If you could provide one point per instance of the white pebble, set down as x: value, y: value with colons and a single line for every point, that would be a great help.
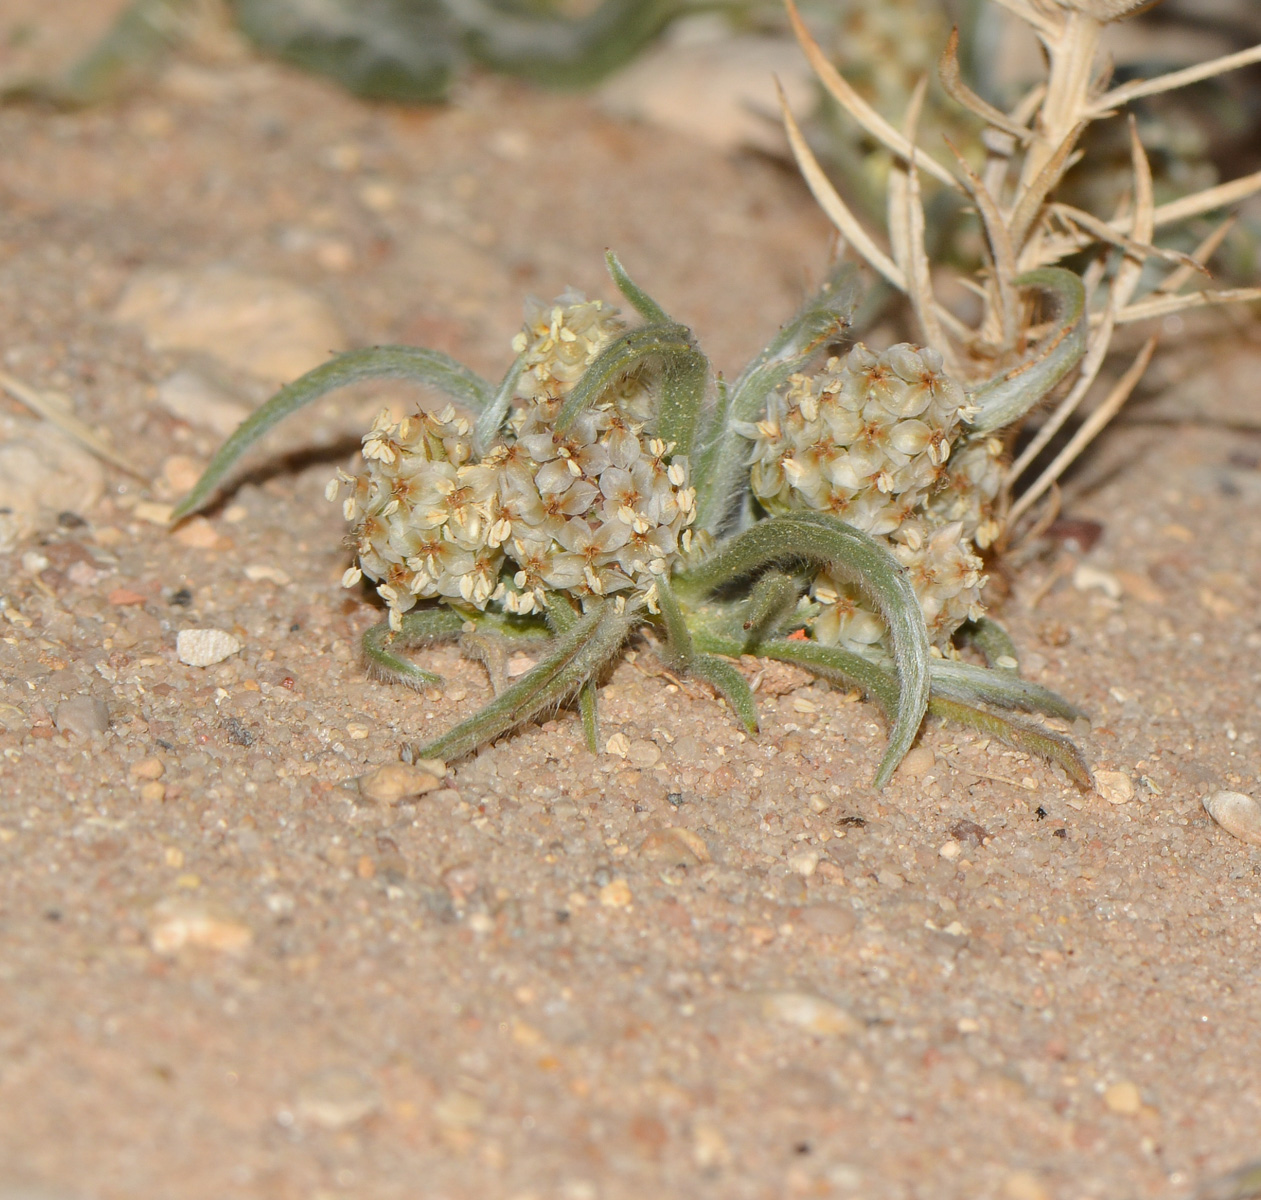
x: 1088, y: 577
x: 1237, y: 814
x: 1115, y: 787
x: 205, y: 647
x: 805, y: 863
x: 811, y: 1013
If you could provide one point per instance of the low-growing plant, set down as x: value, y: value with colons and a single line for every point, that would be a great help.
x: 828, y: 514
x: 604, y: 485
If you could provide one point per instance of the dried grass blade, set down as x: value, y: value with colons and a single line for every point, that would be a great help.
x: 858, y: 108
x: 920, y: 272
x: 1220, y: 196
x: 1122, y: 95
x: 1103, y: 232
x: 1201, y: 254
x: 1086, y: 434
x: 837, y: 210
x: 68, y: 423
x: 1029, y: 206
x: 1090, y: 366
x: 1002, y: 253
x: 1162, y: 306
x: 957, y: 90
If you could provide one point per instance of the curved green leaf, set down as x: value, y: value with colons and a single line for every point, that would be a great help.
x: 818, y: 538
x: 683, y: 366
x: 426, y: 625
x: 429, y: 367
x: 639, y: 300
x: 719, y: 470
x: 577, y: 656
x: 1004, y: 689
x: 1012, y: 393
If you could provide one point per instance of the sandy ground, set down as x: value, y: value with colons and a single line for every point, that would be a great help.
x: 223, y: 973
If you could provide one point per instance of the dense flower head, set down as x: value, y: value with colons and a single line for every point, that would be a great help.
x: 597, y: 510
x: 879, y: 441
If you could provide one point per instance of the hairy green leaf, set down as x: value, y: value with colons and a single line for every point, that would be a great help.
x: 1012, y: 393
x: 577, y: 656
x: 818, y: 538
x: 429, y: 367
x: 380, y: 644
x: 682, y: 364
x: 719, y: 471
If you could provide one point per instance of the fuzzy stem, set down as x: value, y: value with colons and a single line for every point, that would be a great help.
x: 579, y: 653
x: 429, y: 624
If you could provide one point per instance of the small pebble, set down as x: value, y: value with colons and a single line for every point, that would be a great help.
x: 1237, y: 814
x: 257, y: 572
x: 811, y: 1013
x: 176, y: 924
x: 643, y: 754
x: 675, y: 847
x: 1115, y: 787
x: 336, y: 1098
x: 1124, y: 1098
x: 950, y: 850
x: 709, y: 1147
x: 122, y: 597
x: 193, y: 398
x: 618, y: 745
x: 1088, y: 577
x: 82, y: 715
x: 917, y: 763
x: 147, y: 768
x: 264, y: 326
x: 205, y: 647
x: 616, y: 894
x: 396, y: 782
x: 804, y: 863
x: 1024, y: 1185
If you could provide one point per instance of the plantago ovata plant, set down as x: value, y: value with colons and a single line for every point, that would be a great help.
x: 828, y: 515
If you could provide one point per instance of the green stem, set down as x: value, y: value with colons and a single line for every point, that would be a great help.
x: 427, y: 625
x: 579, y: 653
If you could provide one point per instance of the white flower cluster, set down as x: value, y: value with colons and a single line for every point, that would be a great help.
x: 869, y: 439
x: 595, y: 511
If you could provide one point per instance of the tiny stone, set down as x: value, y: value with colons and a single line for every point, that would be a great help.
x: 917, y: 763
x: 519, y: 664
x: 147, y: 768
x: 804, y: 863
x: 205, y: 647
x: 643, y: 753
x: 1124, y: 1098
x: 811, y: 1013
x: 1087, y: 577
x: 193, y: 398
x: 336, y: 1098
x: 395, y: 782
x: 950, y: 850
x: 122, y: 597
x: 618, y: 744
x: 258, y: 572
x: 177, y: 924
x: 460, y: 881
x: 153, y: 792
x: 675, y: 847
x: 82, y: 715
x: 1237, y: 814
x: 1114, y: 786
x: 616, y: 894
x: 1024, y: 1185
x: 196, y: 532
